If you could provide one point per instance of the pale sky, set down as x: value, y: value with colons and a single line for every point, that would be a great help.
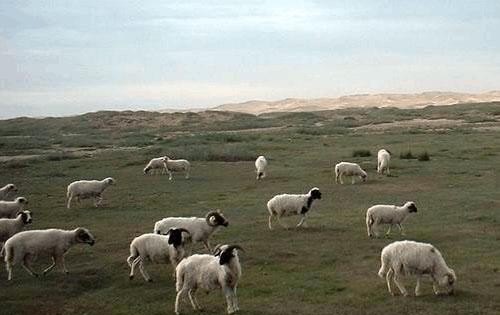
x: 69, y: 57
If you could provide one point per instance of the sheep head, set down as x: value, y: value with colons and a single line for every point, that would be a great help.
x: 26, y: 216
x: 82, y: 235
x: 410, y: 205
x: 216, y: 218
x: 11, y: 187
x: 315, y: 193
x: 22, y: 200
x: 175, y: 236
x: 226, y: 252
x: 146, y: 169
x: 447, y: 281
x: 110, y: 181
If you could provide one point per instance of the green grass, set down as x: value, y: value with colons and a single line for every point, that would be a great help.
x: 328, y: 268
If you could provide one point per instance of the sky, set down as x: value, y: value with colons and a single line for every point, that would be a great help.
x: 69, y: 57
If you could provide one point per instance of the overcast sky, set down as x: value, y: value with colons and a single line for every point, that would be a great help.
x: 68, y: 57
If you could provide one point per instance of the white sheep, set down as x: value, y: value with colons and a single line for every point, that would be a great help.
x: 200, y: 228
x: 156, y: 164
x: 9, y: 209
x: 84, y: 189
x: 209, y: 272
x: 291, y: 204
x: 349, y: 169
x: 7, y: 190
x: 388, y: 214
x: 177, y: 166
x: 413, y: 258
x: 158, y: 249
x: 26, y: 246
x: 9, y: 227
x: 260, y: 166
x: 383, y: 158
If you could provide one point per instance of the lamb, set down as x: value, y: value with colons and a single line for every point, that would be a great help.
x: 260, y: 166
x: 25, y: 247
x: 84, y: 189
x: 291, y: 204
x: 413, y: 258
x: 9, y: 227
x: 388, y: 214
x: 383, y: 158
x: 9, y: 209
x: 156, y: 164
x: 200, y: 228
x: 177, y: 166
x: 349, y: 169
x: 7, y: 190
x: 209, y: 272
x: 159, y: 249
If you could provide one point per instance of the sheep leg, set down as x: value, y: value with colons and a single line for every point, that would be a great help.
x: 399, y: 284
x: 401, y: 229
x: 8, y: 267
x: 228, y: 292
x: 26, y: 263
x: 59, y: 260
x: 206, y: 243
x: 69, y: 202
x: 235, y: 301
x: 133, y: 265
x: 187, y: 174
x: 144, y: 273
x: 302, y: 221
x: 97, y: 200
x: 269, y: 223
x: 194, y: 301
x: 49, y: 268
x: 389, y: 230
x: 170, y: 177
x: 388, y: 278
x: 341, y: 179
x: 418, y: 292
x: 280, y: 223
x: 180, y: 294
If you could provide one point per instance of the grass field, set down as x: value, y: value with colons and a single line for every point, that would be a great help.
x: 328, y: 268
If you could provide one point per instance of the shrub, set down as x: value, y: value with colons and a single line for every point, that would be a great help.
x: 424, y: 156
x: 407, y: 155
x: 361, y: 153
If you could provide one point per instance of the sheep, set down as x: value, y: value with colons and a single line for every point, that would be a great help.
x: 209, y: 272
x: 155, y: 164
x: 7, y: 190
x: 349, y: 169
x: 9, y: 227
x: 177, y: 166
x: 9, y: 209
x: 260, y: 166
x: 84, y: 189
x: 291, y: 204
x: 383, y: 158
x: 26, y: 246
x: 388, y: 214
x: 200, y: 228
x: 159, y: 249
x: 414, y: 258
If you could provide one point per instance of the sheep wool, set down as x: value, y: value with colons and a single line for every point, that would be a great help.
x: 84, y: 189
x: 349, y: 169
x: 260, y: 167
x: 9, y: 209
x: 388, y: 214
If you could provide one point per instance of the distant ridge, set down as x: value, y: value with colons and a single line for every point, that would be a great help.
x: 417, y: 100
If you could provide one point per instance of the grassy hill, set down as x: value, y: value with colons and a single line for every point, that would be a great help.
x: 328, y: 268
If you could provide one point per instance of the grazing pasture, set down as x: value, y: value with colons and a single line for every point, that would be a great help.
x: 330, y: 267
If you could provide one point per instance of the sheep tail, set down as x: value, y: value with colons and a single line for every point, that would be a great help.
x: 369, y: 220
x: 384, y: 268
x: 134, y: 253
x: 8, y: 253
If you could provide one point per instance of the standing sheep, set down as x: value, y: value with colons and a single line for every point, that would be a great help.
x: 25, y: 247
x: 209, y: 272
x: 177, y: 166
x: 201, y: 229
x: 9, y: 227
x: 388, y: 214
x: 383, y: 158
x: 159, y: 249
x: 9, y: 209
x: 7, y: 190
x: 413, y: 258
x: 349, y: 169
x: 291, y: 204
x: 84, y: 189
x: 260, y: 166
x: 156, y: 164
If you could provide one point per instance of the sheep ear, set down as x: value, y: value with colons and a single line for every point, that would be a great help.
x: 216, y: 250
x: 451, y: 278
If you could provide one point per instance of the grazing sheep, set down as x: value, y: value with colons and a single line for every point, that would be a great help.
x: 177, y: 166
x: 260, y: 166
x: 412, y: 258
x: 383, y: 158
x: 84, y: 189
x: 159, y: 249
x: 209, y: 272
x: 156, y: 164
x: 7, y: 190
x: 288, y: 205
x: 9, y: 209
x: 349, y: 169
x: 25, y: 247
x: 388, y: 214
x: 200, y: 228
x: 9, y: 227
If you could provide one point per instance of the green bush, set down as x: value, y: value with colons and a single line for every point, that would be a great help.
x: 407, y: 155
x: 424, y: 156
